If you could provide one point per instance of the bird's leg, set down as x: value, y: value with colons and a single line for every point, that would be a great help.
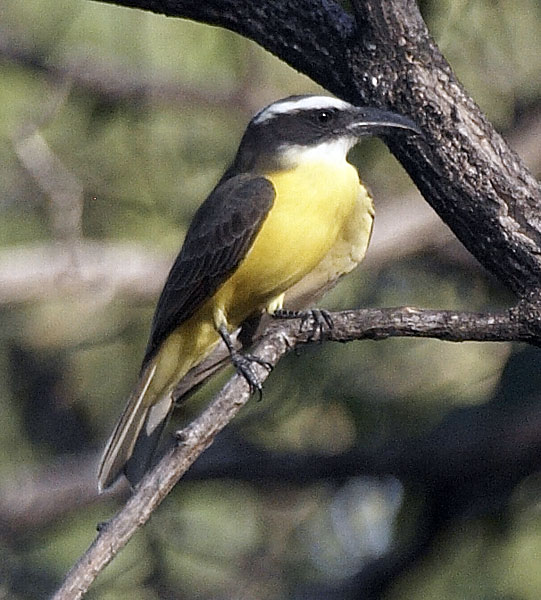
x: 243, y: 363
x: 321, y: 319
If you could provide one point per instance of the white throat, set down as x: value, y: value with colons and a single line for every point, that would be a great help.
x: 334, y: 151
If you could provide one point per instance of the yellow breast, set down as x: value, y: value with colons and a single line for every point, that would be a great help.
x: 317, y: 230
x: 313, y: 205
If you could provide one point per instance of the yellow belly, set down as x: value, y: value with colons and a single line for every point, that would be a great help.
x: 312, y: 206
x: 318, y: 229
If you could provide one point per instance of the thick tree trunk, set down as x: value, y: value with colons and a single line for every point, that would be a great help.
x: 383, y: 55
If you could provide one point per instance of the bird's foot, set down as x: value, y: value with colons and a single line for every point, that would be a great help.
x: 244, y: 365
x: 319, y: 319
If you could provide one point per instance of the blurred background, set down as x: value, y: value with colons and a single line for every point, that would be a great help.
x: 404, y: 469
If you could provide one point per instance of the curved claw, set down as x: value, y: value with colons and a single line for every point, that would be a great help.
x: 243, y: 364
x: 321, y: 320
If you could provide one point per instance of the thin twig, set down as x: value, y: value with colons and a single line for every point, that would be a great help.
x: 63, y: 189
x: 281, y: 337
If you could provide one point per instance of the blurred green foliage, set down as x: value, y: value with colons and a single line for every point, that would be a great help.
x: 144, y: 161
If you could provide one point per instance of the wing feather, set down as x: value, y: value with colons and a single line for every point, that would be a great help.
x: 220, y: 235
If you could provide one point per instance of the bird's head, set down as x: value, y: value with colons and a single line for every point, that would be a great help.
x: 300, y: 126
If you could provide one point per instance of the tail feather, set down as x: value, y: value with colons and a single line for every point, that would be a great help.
x: 121, y: 444
x: 148, y: 439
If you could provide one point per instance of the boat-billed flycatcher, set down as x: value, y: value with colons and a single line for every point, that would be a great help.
x: 288, y: 218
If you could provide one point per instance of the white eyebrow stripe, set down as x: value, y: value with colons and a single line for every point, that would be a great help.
x: 305, y: 103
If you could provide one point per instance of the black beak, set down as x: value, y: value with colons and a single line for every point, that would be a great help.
x: 373, y: 121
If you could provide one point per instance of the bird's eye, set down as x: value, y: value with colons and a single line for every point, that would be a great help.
x: 324, y: 116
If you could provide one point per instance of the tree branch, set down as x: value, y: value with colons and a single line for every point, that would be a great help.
x: 404, y: 226
x: 280, y: 338
x: 41, y: 271
x: 64, y: 191
x: 117, y: 82
x: 385, y: 57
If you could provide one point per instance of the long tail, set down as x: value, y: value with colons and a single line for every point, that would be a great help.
x: 136, y: 435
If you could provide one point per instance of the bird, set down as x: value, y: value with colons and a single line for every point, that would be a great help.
x: 287, y: 219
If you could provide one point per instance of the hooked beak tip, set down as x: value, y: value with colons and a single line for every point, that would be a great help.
x: 373, y: 121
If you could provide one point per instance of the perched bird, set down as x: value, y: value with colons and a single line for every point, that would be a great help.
x: 286, y: 220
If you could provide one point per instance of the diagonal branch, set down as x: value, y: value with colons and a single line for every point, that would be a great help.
x: 118, y: 82
x: 280, y: 338
x: 57, y: 182
x: 404, y: 226
x: 383, y: 55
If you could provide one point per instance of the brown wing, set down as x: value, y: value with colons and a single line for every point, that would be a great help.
x: 221, y: 233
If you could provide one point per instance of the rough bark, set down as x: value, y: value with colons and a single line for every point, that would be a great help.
x: 374, y: 324
x: 383, y: 55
